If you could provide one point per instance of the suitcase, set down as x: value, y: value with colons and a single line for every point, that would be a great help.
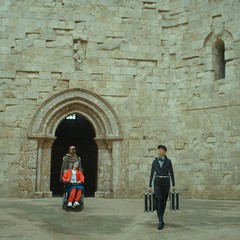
x: 149, y: 202
x: 174, y: 201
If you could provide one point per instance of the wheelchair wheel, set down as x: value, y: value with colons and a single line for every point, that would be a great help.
x: 81, y: 207
x: 81, y: 204
x: 64, y: 203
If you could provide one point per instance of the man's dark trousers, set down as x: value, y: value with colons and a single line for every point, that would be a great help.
x: 161, y: 191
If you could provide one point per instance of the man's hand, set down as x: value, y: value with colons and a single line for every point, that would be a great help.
x: 174, y: 189
x: 150, y: 189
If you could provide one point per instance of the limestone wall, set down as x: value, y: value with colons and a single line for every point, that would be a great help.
x: 152, y: 61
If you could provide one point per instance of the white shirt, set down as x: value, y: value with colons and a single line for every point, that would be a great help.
x: 74, y: 176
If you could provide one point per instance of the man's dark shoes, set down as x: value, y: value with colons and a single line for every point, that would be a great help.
x: 160, y: 226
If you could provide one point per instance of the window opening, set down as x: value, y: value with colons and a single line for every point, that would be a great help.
x: 72, y: 117
x: 219, y: 61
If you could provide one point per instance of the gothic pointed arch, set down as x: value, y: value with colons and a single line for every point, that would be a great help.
x: 225, y: 36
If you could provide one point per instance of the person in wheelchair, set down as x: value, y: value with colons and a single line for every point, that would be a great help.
x: 69, y: 159
x: 74, y: 179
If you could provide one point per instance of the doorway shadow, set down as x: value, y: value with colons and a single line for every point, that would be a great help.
x: 75, y: 130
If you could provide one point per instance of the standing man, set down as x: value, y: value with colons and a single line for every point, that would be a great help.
x: 68, y: 161
x: 161, y: 171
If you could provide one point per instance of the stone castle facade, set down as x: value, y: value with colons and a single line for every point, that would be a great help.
x: 142, y: 73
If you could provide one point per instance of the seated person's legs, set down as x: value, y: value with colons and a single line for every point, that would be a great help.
x: 78, y: 197
x: 72, y: 196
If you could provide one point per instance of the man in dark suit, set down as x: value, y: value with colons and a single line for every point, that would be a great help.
x: 161, y: 172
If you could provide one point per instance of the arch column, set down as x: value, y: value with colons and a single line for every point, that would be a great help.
x: 104, y: 169
x: 108, y: 166
x: 43, y: 166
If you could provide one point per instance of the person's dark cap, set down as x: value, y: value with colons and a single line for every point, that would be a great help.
x: 163, y: 147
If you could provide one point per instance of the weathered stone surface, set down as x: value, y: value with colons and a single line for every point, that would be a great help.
x: 149, y: 66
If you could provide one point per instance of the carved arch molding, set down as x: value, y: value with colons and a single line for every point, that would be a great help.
x: 108, y: 137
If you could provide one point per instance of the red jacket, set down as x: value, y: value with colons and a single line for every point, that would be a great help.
x: 67, y: 176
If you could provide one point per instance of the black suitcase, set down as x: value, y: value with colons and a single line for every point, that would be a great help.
x: 149, y: 202
x: 174, y: 201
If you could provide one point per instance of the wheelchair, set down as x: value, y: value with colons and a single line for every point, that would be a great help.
x: 67, y: 190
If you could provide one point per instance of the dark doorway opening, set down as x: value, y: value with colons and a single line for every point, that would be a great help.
x: 75, y: 130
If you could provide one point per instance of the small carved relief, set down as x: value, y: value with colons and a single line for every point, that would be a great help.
x: 79, y: 55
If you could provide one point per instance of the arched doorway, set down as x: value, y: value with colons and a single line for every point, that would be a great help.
x: 108, y: 138
x: 75, y: 130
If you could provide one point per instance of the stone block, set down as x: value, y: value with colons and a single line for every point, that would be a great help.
x: 39, y: 43
x: 229, y: 55
x: 159, y: 86
x: 47, y: 194
x: 38, y: 195
x: 2, y: 106
x: 31, y: 95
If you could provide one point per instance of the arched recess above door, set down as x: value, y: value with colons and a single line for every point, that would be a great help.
x: 83, y: 102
